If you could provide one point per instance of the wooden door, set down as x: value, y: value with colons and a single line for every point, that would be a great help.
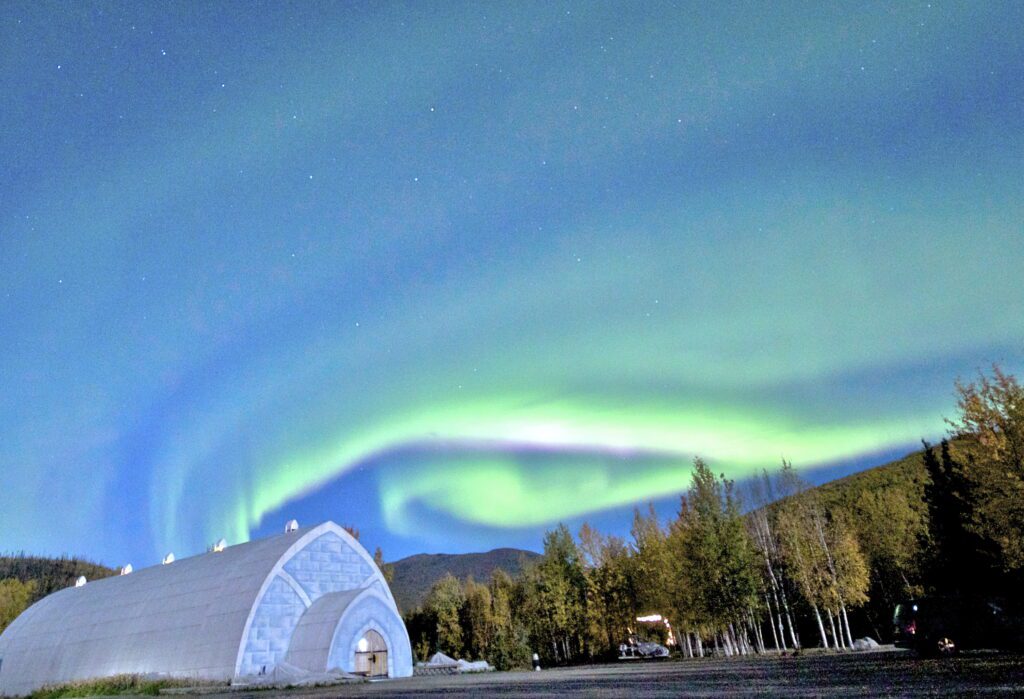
x: 379, y: 664
x: 372, y: 655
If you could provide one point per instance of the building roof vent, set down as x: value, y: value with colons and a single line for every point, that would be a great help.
x: 169, y: 558
x: 81, y: 581
x: 127, y: 569
x: 220, y: 545
x: 293, y: 525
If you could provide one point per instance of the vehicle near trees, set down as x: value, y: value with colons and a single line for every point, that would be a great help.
x: 944, y: 624
x: 635, y: 650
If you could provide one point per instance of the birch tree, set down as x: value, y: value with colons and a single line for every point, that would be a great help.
x: 825, y: 559
x: 716, y: 559
x: 766, y: 542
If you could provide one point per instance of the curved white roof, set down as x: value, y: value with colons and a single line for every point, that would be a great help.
x: 188, y: 618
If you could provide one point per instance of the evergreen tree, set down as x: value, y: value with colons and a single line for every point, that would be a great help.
x: 386, y: 569
x: 954, y: 564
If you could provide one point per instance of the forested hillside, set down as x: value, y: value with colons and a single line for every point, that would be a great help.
x: 885, y: 509
x: 50, y: 574
x: 415, y: 575
x: 906, y: 475
x: 25, y: 579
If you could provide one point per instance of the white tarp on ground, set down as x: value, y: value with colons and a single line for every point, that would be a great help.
x: 866, y: 643
x: 440, y: 660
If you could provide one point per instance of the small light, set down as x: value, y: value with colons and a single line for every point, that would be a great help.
x: 168, y: 559
x: 363, y: 645
x: 220, y: 546
x: 81, y: 581
x: 126, y: 569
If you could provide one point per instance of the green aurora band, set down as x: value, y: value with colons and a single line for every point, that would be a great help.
x: 501, y: 491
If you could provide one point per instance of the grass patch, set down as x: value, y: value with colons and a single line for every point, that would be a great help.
x: 112, y: 686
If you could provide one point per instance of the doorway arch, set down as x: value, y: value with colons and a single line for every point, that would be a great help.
x: 371, y: 655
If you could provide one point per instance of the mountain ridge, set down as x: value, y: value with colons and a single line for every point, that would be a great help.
x: 414, y: 575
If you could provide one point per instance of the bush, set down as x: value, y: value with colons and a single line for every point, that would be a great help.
x: 111, y: 686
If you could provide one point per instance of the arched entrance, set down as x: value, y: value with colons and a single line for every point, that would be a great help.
x: 371, y: 655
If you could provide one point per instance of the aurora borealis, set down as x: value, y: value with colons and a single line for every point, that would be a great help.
x: 452, y: 273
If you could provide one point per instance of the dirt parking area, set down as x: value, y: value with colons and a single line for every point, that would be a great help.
x: 873, y: 674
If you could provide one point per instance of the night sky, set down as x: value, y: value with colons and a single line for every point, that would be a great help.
x: 455, y: 273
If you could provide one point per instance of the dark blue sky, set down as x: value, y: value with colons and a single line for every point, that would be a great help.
x: 452, y: 273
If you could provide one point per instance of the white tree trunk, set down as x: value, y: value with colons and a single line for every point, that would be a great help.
x: 730, y: 634
x: 759, y: 633
x: 793, y: 638
x: 832, y: 623
x: 821, y: 626
x: 845, y: 620
x: 780, y: 632
x: 771, y: 623
x: 745, y: 637
x: 789, y: 621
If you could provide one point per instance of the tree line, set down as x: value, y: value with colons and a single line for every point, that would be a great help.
x: 712, y: 579
x: 773, y: 566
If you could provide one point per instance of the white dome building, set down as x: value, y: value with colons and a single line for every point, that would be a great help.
x: 311, y: 600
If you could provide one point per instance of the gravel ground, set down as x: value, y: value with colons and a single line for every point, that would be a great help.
x: 880, y: 673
